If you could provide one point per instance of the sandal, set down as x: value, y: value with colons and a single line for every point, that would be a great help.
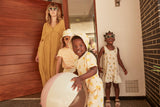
x: 117, y: 103
x: 108, y: 104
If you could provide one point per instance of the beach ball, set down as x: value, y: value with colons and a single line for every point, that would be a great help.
x: 58, y: 92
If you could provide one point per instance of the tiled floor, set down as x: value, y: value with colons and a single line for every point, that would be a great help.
x: 34, y: 101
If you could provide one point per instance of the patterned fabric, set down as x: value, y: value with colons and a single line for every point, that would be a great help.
x: 94, y: 84
x: 69, y: 59
x: 48, y: 49
x: 85, y: 39
x: 110, y: 66
x: 68, y: 32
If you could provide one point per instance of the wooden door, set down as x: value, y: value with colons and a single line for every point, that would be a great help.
x: 21, y: 23
x: 66, y: 14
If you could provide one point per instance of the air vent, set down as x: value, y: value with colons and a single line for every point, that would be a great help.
x: 132, y: 86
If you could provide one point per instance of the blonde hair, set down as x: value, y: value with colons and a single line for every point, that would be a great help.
x: 48, y: 16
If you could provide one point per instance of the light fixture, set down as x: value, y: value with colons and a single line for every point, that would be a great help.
x: 117, y: 3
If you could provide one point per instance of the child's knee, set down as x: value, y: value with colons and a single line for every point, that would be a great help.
x: 116, y: 85
x: 108, y: 85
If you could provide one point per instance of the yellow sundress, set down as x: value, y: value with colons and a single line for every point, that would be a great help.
x: 94, y: 84
x: 48, y: 48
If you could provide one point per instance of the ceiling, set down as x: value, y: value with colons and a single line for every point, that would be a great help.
x: 78, y: 7
x: 79, y: 10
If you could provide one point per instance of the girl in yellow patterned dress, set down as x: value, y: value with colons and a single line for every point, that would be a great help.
x: 87, y: 71
x: 110, y: 66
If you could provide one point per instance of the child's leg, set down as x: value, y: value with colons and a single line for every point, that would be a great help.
x: 117, y: 101
x: 116, y: 89
x: 108, y: 86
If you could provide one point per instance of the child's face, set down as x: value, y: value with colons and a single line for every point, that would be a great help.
x: 66, y: 39
x: 79, y: 47
x: 110, y: 39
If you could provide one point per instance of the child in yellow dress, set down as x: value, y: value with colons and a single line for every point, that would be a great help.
x: 110, y: 66
x: 87, y: 71
x: 65, y: 55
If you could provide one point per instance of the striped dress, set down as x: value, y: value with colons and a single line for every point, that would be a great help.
x: 69, y: 59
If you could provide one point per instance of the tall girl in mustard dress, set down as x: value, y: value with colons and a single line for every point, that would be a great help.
x: 50, y: 42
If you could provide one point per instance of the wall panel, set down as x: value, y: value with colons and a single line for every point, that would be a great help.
x: 21, y: 23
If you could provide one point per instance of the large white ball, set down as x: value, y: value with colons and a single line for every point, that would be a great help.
x: 57, y: 92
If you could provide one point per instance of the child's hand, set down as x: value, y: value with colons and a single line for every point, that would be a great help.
x: 125, y: 72
x: 77, y: 83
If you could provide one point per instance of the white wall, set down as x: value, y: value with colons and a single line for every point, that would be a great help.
x: 124, y: 21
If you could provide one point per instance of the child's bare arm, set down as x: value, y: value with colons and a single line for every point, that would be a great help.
x: 120, y: 62
x: 37, y: 58
x: 99, y: 57
x: 58, y: 64
x: 75, y: 72
x: 78, y: 80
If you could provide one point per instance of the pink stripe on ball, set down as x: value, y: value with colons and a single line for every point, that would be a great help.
x: 46, y: 89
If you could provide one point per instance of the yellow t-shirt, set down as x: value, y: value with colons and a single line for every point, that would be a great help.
x: 69, y: 58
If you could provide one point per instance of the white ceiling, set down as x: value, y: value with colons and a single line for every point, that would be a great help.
x: 79, y: 7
